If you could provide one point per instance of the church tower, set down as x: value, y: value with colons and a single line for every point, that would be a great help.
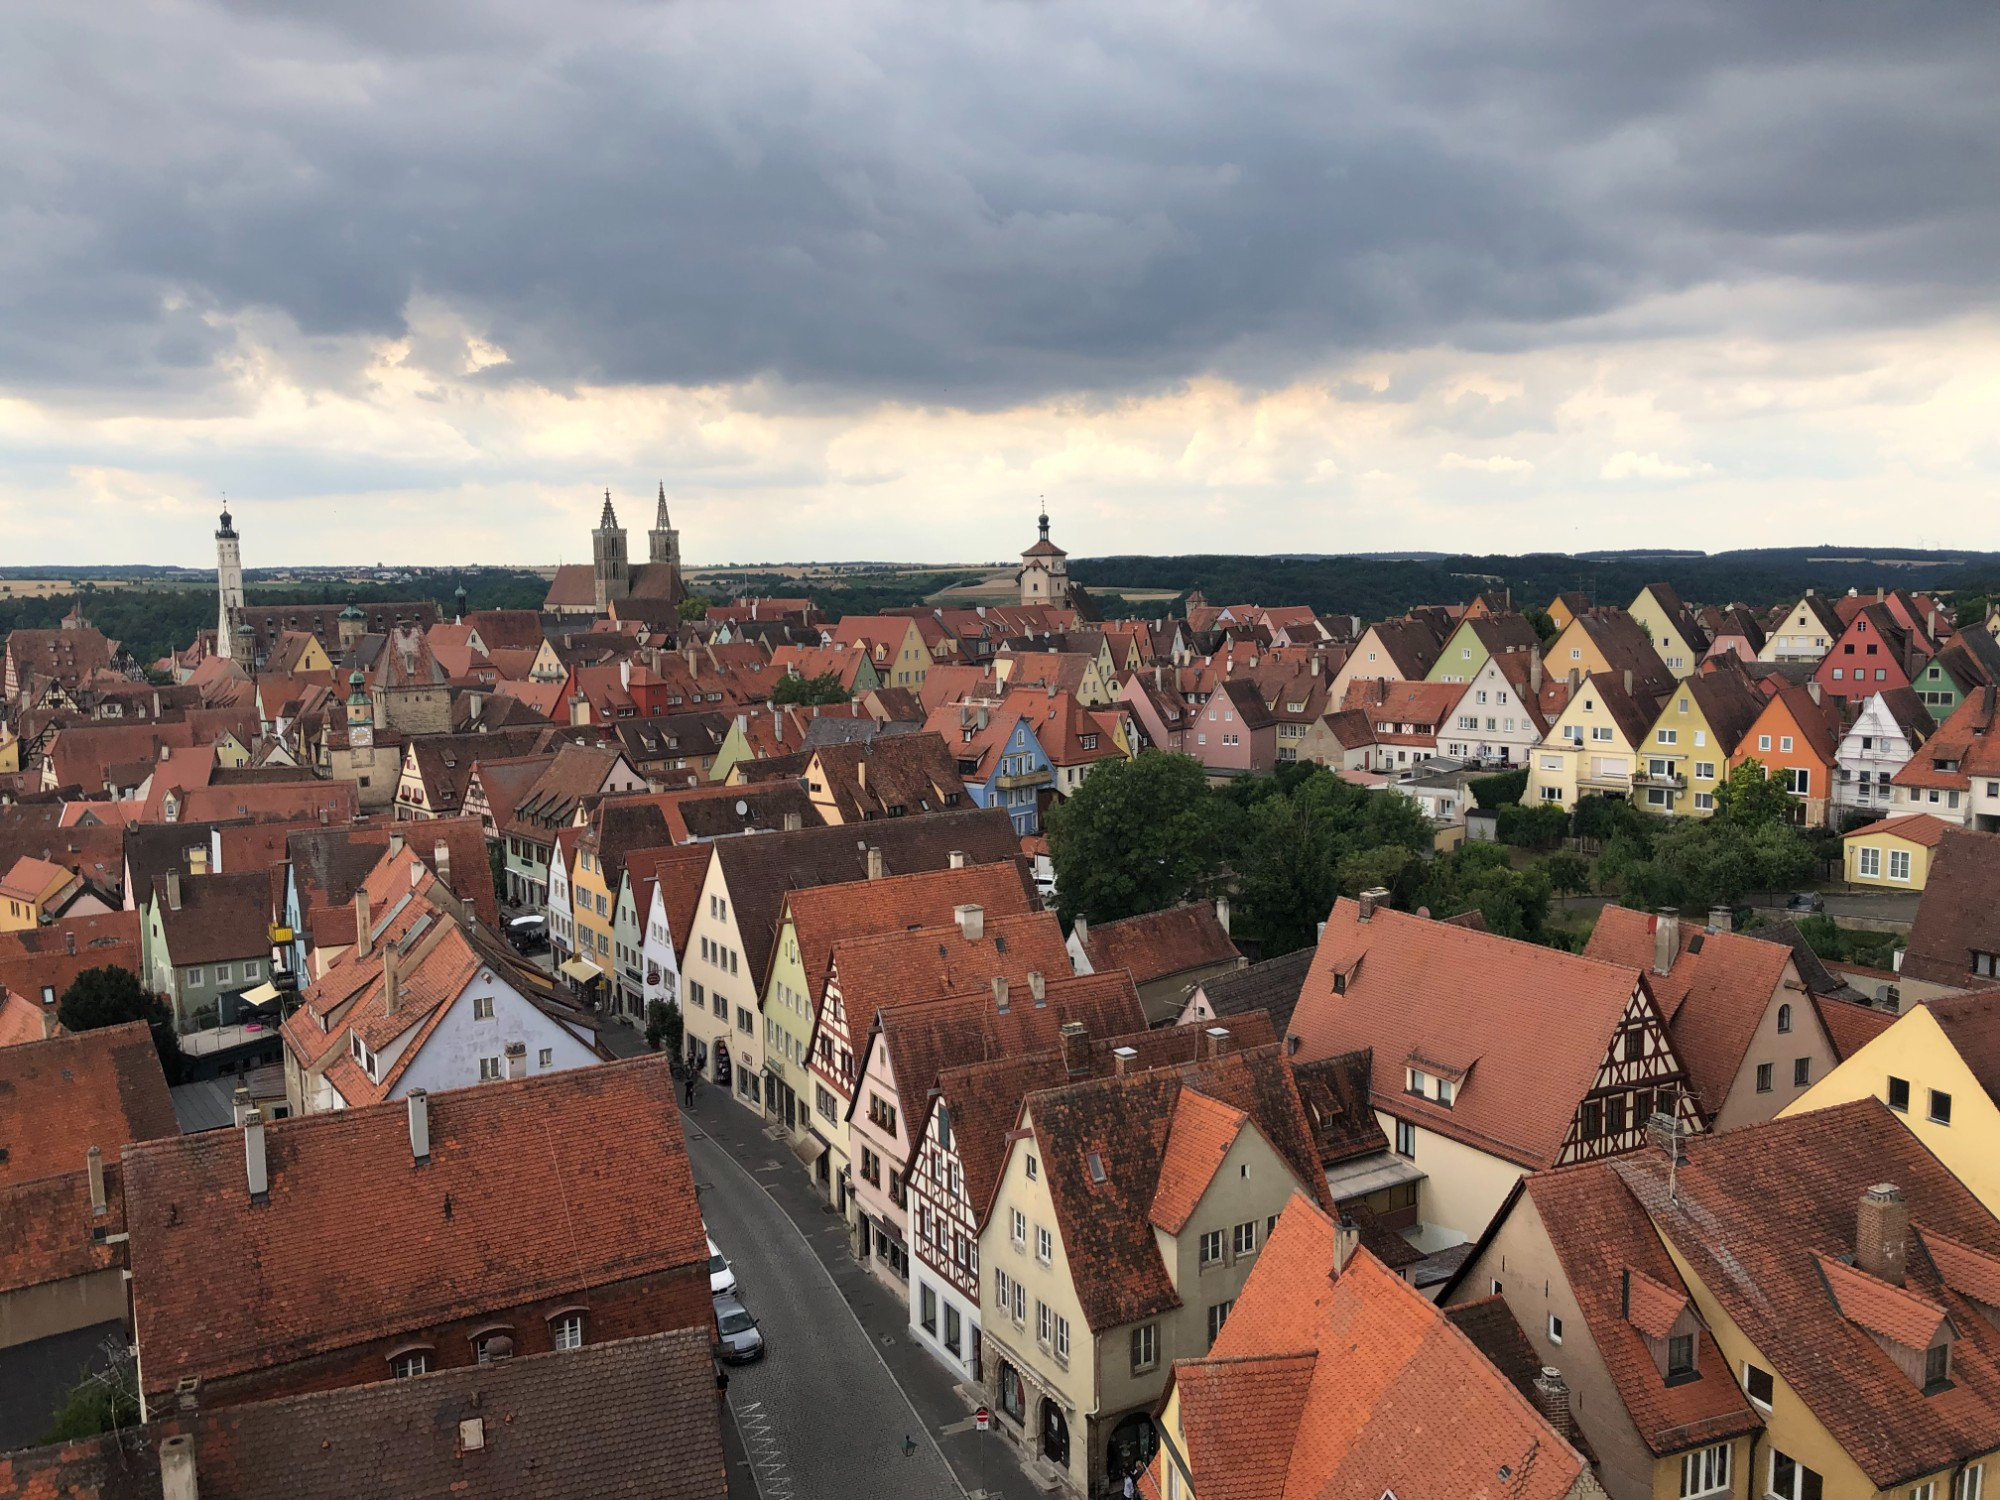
x: 666, y: 542
x: 228, y: 586
x: 1044, y: 575
x: 611, y: 573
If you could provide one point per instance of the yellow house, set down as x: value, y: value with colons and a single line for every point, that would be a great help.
x: 29, y: 889
x: 592, y: 902
x: 1931, y: 1066
x: 1894, y: 854
x: 898, y: 653
x: 1670, y: 625
x: 1594, y: 747
x: 10, y: 751
x: 1687, y: 749
x: 1112, y: 1249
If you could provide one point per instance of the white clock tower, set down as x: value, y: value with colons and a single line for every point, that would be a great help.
x: 228, y: 585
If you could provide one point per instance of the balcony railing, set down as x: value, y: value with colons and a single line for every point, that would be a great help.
x: 1038, y: 777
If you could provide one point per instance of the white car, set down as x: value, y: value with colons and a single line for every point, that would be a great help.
x: 721, y: 1280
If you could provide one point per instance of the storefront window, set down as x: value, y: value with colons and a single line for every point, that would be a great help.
x: 1013, y: 1395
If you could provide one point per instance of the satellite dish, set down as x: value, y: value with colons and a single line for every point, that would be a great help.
x: 742, y: 809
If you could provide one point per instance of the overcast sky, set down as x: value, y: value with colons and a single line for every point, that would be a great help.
x: 867, y: 278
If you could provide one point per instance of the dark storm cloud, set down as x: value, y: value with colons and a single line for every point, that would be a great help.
x: 967, y: 203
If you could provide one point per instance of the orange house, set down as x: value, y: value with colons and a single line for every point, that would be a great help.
x: 1795, y: 738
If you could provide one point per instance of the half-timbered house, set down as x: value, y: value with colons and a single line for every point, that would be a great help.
x: 1491, y: 1057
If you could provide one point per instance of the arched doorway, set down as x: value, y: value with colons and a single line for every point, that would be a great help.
x: 1055, y: 1434
x: 1133, y: 1443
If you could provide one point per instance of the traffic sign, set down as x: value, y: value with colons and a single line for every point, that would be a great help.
x: 982, y: 1419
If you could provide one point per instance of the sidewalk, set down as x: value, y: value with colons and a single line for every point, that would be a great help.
x: 984, y: 1463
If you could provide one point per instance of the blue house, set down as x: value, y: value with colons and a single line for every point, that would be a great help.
x: 999, y: 759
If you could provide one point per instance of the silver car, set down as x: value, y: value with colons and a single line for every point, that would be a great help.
x: 738, y: 1336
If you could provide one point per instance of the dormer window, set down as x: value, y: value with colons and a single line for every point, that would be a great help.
x: 1937, y: 1368
x: 1680, y: 1357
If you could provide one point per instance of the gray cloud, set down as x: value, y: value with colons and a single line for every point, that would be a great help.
x: 973, y: 201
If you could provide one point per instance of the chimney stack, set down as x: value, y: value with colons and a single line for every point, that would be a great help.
x: 1535, y: 673
x: 441, y: 861
x: 1075, y: 1048
x: 971, y: 919
x: 1080, y: 930
x: 1346, y: 1240
x: 420, y: 1126
x: 1122, y: 1059
x: 1721, y: 919
x: 957, y: 858
x: 1628, y: 682
x: 1552, y: 1397
x: 1038, y: 988
x: 240, y: 1106
x: 1575, y: 679
x: 255, y: 1169
x: 392, y: 979
x: 363, y: 946
x: 1666, y: 939
x: 517, y: 1060
x: 1222, y: 912
x: 69, y: 942
x: 1000, y: 993
x: 1370, y: 899
x: 173, y: 890
x: 793, y: 822
x: 177, y: 1477
x: 1218, y: 1040
x: 876, y: 868
x: 95, y: 1159
x: 395, y: 842
x: 1882, y: 1233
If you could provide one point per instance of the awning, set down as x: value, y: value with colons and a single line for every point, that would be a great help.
x: 582, y: 970
x: 808, y: 1148
x: 1370, y: 1174
x: 264, y: 994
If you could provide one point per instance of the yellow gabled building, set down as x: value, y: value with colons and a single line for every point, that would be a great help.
x: 1594, y: 746
x: 1677, y: 636
x: 1687, y: 749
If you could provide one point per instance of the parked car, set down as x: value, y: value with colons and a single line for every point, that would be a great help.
x: 738, y: 1337
x: 721, y: 1278
x: 1806, y: 901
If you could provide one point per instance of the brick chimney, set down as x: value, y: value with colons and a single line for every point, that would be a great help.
x: 177, y: 1476
x: 392, y: 979
x: 255, y: 1170
x: 1666, y: 939
x: 1882, y: 1232
x: 1122, y: 1059
x: 420, y: 1126
x: 971, y: 919
x: 1216, y: 1041
x: 1370, y: 899
x: 1075, y: 1048
x: 1552, y: 1399
x: 1000, y: 993
x: 517, y: 1060
x: 173, y: 890
x: 876, y: 868
x: 94, y: 1159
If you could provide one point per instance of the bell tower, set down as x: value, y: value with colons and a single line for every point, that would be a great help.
x: 610, y: 571
x: 1044, y: 575
x: 666, y: 542
x: 228, y: 585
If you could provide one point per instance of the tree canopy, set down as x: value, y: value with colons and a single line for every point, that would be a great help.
x: 824, y: 688
x: 111, y: 996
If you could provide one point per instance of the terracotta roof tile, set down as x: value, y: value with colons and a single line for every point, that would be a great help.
x: 1200, y: 1136
x: 101, y: 1088
x: 48, y: 1231
x: 220, y: 917
x: 1272, y: 986
x: 1851, y: 1027
x: 1653, y: 1307
x: 821, y: 915
x: 1958, y: 914
x: 52, y: 956
x: 556, y: 1183
x: 1324, y: 1385
x: 1157, y: 945
x: 1335, y: 1091
x: 895, y: 968
x: 1894, y: 1312
x: 1531, y: 1026
x: 1758, y: 1213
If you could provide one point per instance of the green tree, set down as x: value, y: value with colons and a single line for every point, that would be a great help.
x: 694, y: 607
x: 111, y: 996
x: 1137, y: 836
x: 1500, y: 790
x: 1568, y: 874
x: 824, y: 688
x: 496, y: 862
x: 663, y: 1027
x: 1546, y: 629
x: 1750, y: 796
x: 1287, y: 872
x: 102, y: 1400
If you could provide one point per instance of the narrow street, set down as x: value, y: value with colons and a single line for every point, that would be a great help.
x: 841, y: 1403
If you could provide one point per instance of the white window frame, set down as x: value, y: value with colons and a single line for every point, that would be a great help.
x: 1706, y: 1471
x: 1044, y: 1245
x: 566, y: 1332
x: 1868, y: 862
x: 1899, y: 866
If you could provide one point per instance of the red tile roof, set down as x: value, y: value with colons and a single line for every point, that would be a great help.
x: 100, y: 1088
x: 47, y: 1229
x: 1528, y: 1025
x: 553, y: 1184
x: 1715, y: 996
x: 1851, y: 1027
x: 1918, y: 828
x: 1200, y: 1136
x: 924, y: 963
x: 1157, y: 945
x: 1758, y: 1213
x: 1958, y: 914
x: 1355, y: 1386
x: 51, y: 957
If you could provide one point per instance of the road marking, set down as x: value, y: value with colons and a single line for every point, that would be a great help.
x: 921, y: 1425
x: 767, y: 1459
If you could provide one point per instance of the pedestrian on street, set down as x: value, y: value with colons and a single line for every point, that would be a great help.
x: 1131, y: 1484
x: 688, y: 1088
